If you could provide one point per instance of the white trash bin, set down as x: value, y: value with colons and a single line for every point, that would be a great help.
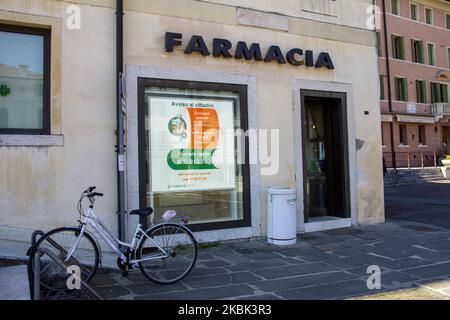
x: 282, y: 215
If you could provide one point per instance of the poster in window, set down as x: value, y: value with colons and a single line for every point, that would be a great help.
x: 191, y: 144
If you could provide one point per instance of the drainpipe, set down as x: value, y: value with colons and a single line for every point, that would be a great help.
x: 388, y: 75
x: 120, y: 144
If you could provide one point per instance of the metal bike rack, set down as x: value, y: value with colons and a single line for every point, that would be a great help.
x: 34, y: 275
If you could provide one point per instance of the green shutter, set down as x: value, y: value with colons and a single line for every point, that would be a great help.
x: 431, y: 54
x: 444, y: 89
x: 448, y: 20
x: 433, y: 94
x: 418, y: 98
x: 405, y: 89
x: 393, y: 46
x: 381, y: 87
x: 402, y: 48
x: 424, y: 91
x: 420, y: 53
x: 397, y: 89
x: 448, y: 55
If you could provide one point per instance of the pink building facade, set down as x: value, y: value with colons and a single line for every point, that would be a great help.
x: 414, y: 67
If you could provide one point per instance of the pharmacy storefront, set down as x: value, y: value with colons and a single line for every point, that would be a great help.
x: 221, y: 114
x: 221, y: 100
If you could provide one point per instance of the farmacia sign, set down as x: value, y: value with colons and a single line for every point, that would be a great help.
x: 223, y: 48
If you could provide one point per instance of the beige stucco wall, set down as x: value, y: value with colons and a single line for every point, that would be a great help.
x: 39, y: 186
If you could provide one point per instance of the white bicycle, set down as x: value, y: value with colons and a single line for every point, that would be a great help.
x: 165, y: 253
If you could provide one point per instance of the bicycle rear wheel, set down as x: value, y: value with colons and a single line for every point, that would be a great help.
x: 59, y: 241
x: 177, y: 259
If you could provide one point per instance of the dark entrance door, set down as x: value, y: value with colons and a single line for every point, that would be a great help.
x: 325, y: 156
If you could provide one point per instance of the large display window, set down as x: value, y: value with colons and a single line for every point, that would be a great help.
x: 191, y: 159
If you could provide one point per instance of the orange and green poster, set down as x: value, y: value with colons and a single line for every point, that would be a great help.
x: 191, y: 144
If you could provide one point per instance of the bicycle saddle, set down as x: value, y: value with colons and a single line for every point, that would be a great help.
x: 142, y: 212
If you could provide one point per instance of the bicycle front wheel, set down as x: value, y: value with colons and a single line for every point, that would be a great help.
x: 167, y: 253
x: 59, y: 242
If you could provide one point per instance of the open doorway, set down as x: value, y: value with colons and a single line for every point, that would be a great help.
x: 325, y: 156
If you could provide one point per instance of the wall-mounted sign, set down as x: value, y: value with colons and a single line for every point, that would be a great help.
x: 192, y: 144
x: 412, y: 108
x: 4, y: 90
x: 223, y: 47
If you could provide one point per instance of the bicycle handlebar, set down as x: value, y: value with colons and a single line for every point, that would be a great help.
x: 90, y: 189
x: 96, y: 194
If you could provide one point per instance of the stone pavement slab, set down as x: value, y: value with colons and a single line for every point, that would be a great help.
x: 308, y: 270
x: 14, y: 283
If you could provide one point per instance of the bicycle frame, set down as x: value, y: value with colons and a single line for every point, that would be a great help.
x: 91, y: 220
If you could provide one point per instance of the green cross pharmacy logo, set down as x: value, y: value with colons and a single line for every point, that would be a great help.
x: 4, y: 90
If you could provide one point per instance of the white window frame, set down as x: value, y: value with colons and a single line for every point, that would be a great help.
x: 425, y: 15
x: 417, y: 12
x: 426, y: 93
x: 392, y: 47
x: 395, y: 88
x: 412, y: 50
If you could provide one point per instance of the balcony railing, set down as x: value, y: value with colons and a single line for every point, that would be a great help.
x: 440, y: 109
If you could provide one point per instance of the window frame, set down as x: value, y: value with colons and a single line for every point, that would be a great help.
x: 419, y: 89
x: 422, y: 135
x: 404, y: 135
x: 46, y: 94
x: 421, y: 57
x: 242, y: 90
x: 401, y: 47
x: 425, y: 16
x: 442, y: 93
x: 397, y: 9
x: 404, y: 89
x: 411, y: 4
x: 447, y: 20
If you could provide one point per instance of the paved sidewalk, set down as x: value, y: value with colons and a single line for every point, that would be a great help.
x: 14, y: 283
x: 325, y: 265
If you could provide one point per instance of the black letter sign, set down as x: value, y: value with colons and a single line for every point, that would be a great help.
x: 291, y: 57
x: 274, y: 53
x: 249, y: 54
x: 198, y: 45
x: 221, y: 47
x: 324, y: 60
x: 309, y: 58
x: 172, y: 39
